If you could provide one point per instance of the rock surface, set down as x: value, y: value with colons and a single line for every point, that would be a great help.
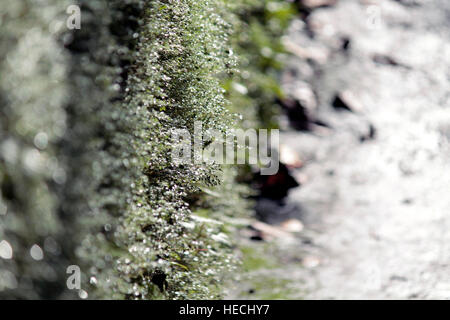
x: 375, y: 206
x: 381, y: 206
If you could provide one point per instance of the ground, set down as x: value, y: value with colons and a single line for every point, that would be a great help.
x: 375, y: 182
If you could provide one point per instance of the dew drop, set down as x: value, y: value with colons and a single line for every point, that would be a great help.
x: 82, y: 294
x: 50, y: 245
x: 6, y: 251
x: 32, y: 160
x: 36, y: 252
x: 9, y: 150
x: 41, y: 140
x: 59, y: 176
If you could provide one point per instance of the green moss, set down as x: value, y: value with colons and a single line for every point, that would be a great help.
x: 271, y: 288
x: 254, y: 258
x: 259, y: 28
x: 85, y: 136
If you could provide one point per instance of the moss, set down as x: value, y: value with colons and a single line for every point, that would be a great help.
x: 257, y: 41
x: 265, y: 287
x: 174, y: 83
x: 253, y: 258
x: 85, y: 132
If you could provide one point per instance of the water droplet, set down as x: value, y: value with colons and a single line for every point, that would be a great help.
x: 6, y: 251
x: 82, y: 294
x: 32, y: 160
x: 266, y: 52
x: 36, y: 252
x: 240, y: 88
x: 93, y: 280
x: 41, y: 140
x: 59, y: 176
x: 9, y: 151
x: 50, y: 245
